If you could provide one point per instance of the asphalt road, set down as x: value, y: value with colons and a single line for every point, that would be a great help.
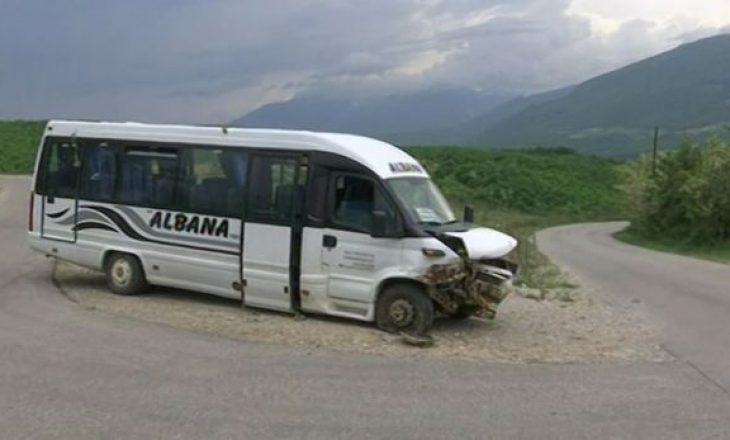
x: 71, y: 373
x: 687, y: 297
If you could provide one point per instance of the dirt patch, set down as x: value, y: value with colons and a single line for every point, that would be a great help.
x: 526, y: 330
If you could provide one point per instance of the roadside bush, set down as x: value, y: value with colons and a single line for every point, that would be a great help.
x: 687, y: 197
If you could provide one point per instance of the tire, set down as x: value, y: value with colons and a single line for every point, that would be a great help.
x: 464, y: 312
x: 404, y: 308
x: 124, y: 275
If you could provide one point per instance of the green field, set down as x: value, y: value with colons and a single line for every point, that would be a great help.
x: 552, y: 183
x: 18, y: 145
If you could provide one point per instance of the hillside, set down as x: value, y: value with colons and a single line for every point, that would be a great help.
x: 375, y: 115
x: 464, y: 134
x: 685, y: 91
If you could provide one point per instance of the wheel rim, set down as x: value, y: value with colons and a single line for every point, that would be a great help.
x: 121, y: 273
x: 401, y: 313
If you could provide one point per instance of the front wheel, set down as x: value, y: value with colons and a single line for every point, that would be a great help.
x: 124, y: 275
x: 404, y: 308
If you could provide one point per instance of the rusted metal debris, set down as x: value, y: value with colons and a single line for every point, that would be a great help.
x: 470, y: 283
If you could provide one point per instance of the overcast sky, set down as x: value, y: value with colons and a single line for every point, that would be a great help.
x: 212, y: 61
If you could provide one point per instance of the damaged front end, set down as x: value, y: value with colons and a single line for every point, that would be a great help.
x: 478, y: 286
x: 480, y: 281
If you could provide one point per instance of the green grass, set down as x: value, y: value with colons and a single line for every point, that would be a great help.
x: 19, y: 142
x: 719, y: 254
x: 538, y: 182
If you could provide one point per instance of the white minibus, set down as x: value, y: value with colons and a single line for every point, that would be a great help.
x: 293, y: 221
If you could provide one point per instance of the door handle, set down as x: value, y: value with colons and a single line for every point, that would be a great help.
x: 329, y: 241
x: 50, y: 200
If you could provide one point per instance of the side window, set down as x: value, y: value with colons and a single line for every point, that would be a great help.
x: 354, y: 202
x: 99, y: 172
x: 355, y: 199
x: 213, y: 181
x: 60, y: 169
x: 148, y: 177
x: 275, y: 189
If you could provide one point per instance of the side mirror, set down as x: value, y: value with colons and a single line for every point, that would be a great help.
x: 382, y: 226
x: 468, y: 214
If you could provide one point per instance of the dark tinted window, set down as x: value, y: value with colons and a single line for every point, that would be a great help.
x: 99, y: 171
x: 148, y: 177
x: 275, y: 190
x: 213, y: 181
x: 355, y: 199
x: 60, y: 169
x: 354, y: 202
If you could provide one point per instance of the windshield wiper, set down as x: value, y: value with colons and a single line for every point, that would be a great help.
x: 430, y: 223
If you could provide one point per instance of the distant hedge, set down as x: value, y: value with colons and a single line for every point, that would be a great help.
x: 686, y: 197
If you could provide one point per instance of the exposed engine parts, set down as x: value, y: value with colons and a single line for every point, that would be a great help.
x: 480, y: 284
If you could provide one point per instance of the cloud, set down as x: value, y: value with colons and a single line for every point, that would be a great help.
x: 213, y: 60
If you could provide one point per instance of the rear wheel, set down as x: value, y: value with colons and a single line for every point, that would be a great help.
x: 404, y: 308
x: 124, y: 275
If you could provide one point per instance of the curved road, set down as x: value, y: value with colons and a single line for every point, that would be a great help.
x: 687, y: 297
x: 67, y: 372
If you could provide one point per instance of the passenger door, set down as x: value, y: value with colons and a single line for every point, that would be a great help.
x: 354, y: 260
x: 60, y: 168
x: 270, y: 236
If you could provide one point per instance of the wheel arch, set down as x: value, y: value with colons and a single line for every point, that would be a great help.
x: 388, y: 282
x: 108, y: 253
x: 422, y: 306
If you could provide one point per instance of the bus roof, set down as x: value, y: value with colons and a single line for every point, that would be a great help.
x: 384, y: 159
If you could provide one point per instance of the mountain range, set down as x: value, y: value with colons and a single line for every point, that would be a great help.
x: 376, y: 115
x: 685, y: 92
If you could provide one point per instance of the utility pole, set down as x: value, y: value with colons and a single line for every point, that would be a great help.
x: 656, y: 147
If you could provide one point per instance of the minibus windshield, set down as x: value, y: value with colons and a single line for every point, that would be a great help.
x: 424, y: 201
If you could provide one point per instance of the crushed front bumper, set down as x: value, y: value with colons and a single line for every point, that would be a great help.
x: 479, y: 284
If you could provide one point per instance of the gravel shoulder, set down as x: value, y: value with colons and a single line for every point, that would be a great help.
x: 584, y: 330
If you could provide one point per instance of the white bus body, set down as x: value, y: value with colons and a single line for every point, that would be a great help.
x: 283, y: 220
